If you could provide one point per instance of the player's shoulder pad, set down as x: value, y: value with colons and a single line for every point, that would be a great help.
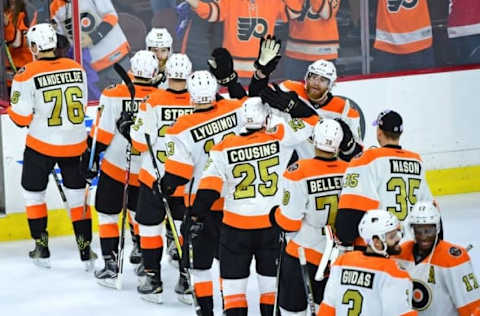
x: 449, y: 255
x: 294, y: 171
x: 113, y: 90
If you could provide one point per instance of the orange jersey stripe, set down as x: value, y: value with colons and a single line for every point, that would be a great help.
x: 469, y: 309
x: 375, y: 153
x: 141, y: 147
x: 178, y: 168
x: 103, y: 136
x: 441, y: 256
x: 357, y: 202
x: 267, y: 298
x: 326, y: 310
x: 245, y: 222
x: 211, y: 183
x: 45, y: 65
x: 22, y: 120
x: 358, y: 259
x: 51, y: 150
x: 146, y: 178
x: 287, y: 223
x: 111, y: 58
x: 311, y: 255
x: 118, y: 174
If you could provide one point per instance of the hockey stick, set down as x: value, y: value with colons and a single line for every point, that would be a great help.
x: 306, y: 280
x: 60, y: 189
x: 277, y: 279
x: 327, y: 253
x: 9, y: 57
x: 171, y: 222
x: 198, y: 309
x: 90, y: 161
x: 121, y: 245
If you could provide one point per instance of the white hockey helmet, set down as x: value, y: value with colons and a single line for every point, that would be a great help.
x: 178, y: 66
x: 377, y: 223
x: 325, y: 69
x: 159, y: 38
x: 144, y: 64
x: 43, y: 35
x: 255, y: 113
x: 327, y: 135
x: 424, y: 212
x: 202, y: 87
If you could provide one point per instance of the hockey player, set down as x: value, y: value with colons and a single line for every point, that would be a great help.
x: 369, y: 282
x: 101, y: 34
x: 311, y: 189
x: 117, y: 112
x: 315, y: 93
x: 387, y: 177
x: 247, y: 167
x: 159, y: 41
x: 49, y: 96
x: 156, y: 114
x: 190, y: 140
x: 444, y: 282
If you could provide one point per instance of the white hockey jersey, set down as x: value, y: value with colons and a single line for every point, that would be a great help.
x: 191, y: 137
x: 389, y: 178
x: 114, y: 100
x: 50, y: 96
x: 111, y: 48
x: 363, y: 284
x: 446, y: 286
x: 160, y: 110
x: 335, y: 108
x: 247, y: 168
x: 311, y: 189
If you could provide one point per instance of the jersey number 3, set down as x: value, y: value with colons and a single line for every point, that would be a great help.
x: 75, y: 112
x: 354, y: 299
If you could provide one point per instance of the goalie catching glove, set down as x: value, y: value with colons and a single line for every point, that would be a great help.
x: 221, y: 66
x: 268, y: 55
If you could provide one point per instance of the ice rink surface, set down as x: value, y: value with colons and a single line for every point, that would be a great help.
x: 66, y: 289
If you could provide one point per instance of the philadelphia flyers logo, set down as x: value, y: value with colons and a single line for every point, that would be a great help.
x: 395, y: 5
x: 422, y: 295
x: 87, y: 22
x: 248, y: 27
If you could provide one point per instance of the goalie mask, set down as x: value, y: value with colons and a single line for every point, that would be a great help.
x: 202, y: 87
x: 144, y: 64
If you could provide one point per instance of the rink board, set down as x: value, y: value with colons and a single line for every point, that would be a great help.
x: 440, y: 115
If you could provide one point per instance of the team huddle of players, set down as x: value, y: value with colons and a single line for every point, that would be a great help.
x: 279, y: 175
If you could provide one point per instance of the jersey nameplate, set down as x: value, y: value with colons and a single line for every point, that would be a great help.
x: 252, y: 152
x: 127, y: 105
x: 324, y: 184
x: 58, y: 78
x: 214, y: 127
x: 357, y: 278
x: 171, y: 114
x: 405, y: 166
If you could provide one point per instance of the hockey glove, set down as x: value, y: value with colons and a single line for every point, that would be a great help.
x: 281, y: 100
x: 123, y: 124
x: 348, y: 143
x: 268, y: 55
x: 221, y: 66
x: 196, y: 228
x: 89, y: 174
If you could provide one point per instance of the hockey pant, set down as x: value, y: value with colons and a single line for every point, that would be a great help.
x: 292, y: 298
x: 237, y: 248
x: 35, y: 172
x: 108, y: 202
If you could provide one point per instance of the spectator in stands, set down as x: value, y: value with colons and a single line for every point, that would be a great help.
x: 245, y: 23
x: 312, y: 36
x: 464, y: 31
x: 101, y: 34
x: 16, y: 25
x: 403, y: 38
